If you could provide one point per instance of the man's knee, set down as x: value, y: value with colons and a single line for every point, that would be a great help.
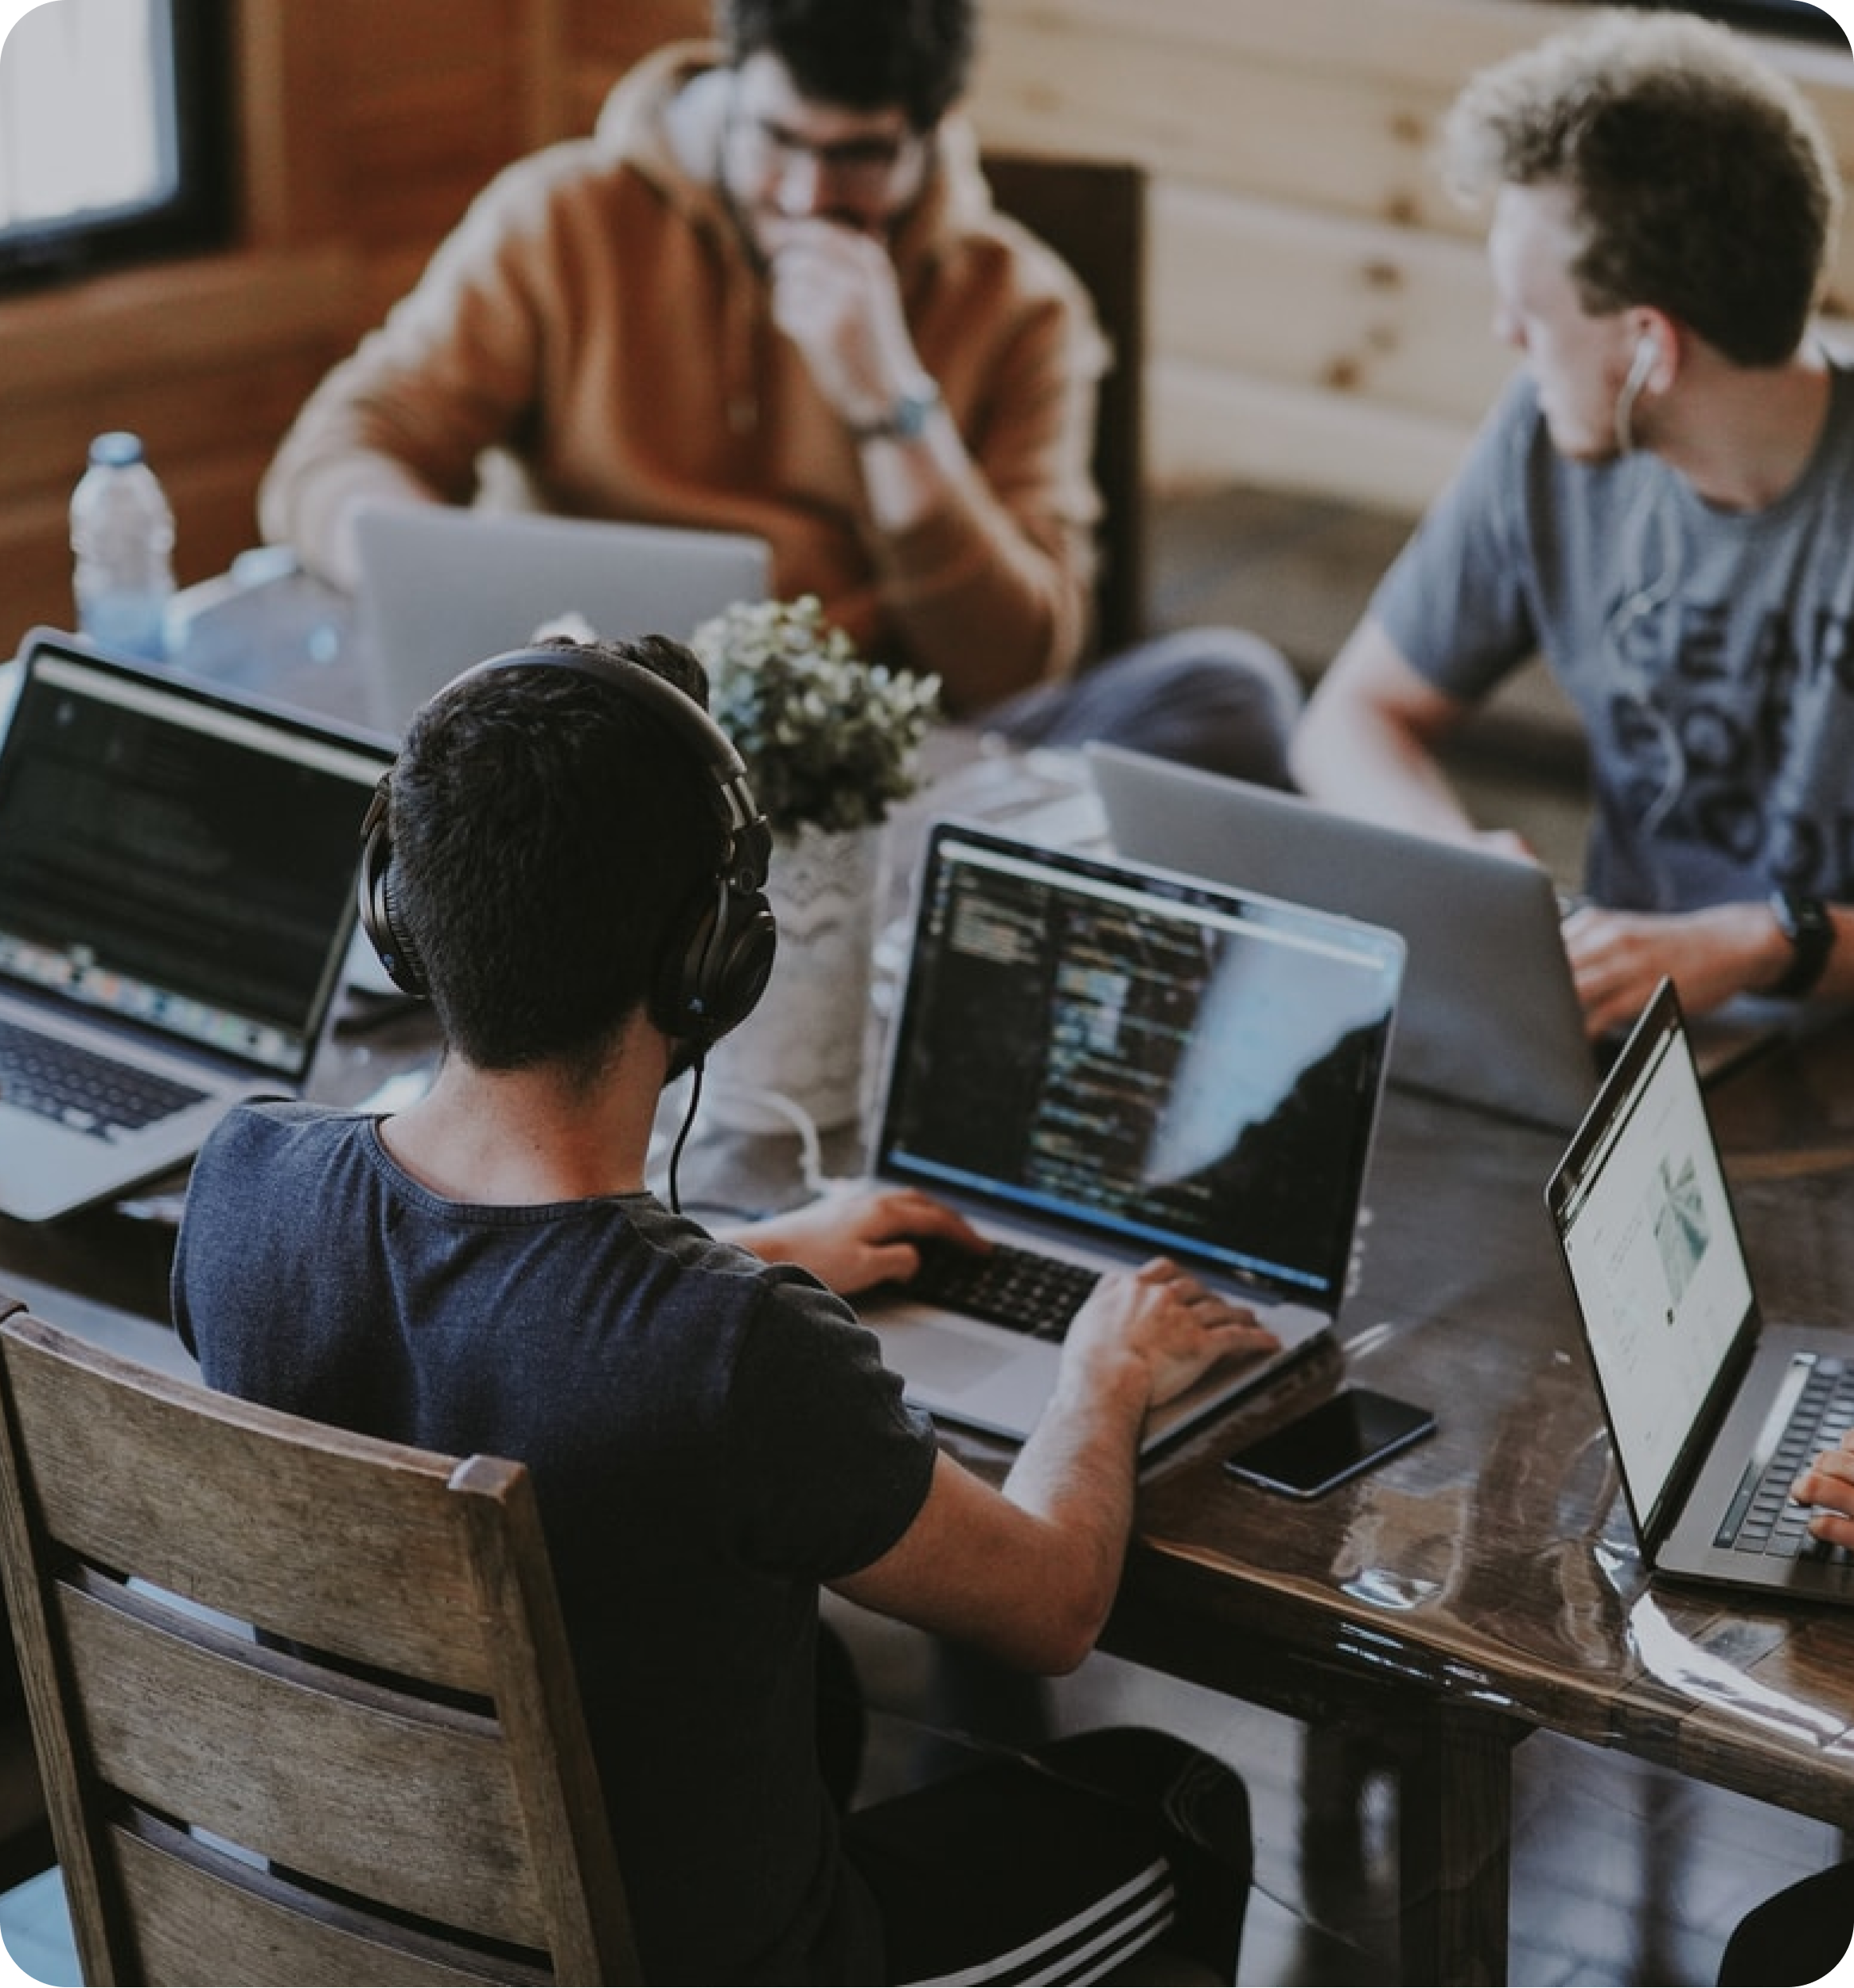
x: 1217, y: 698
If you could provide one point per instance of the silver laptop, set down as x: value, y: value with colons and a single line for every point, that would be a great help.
x: 442, y: 587
x: 1098, y: 1064
x: 176, y: 897
x: 1489, y: 1015
x: 1711, y: 1413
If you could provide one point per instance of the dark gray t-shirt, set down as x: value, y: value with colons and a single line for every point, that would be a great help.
x: 1708, y: 652
x: 710, y: 1439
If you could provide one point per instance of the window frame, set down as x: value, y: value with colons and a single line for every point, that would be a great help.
x: 200, y: 214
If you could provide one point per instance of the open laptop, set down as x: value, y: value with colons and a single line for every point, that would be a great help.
x: 1099, y: 1064
x: 1489, y: 1014
x: 176, y: 897
x: 442, y: 587
x: 1711, y: 1413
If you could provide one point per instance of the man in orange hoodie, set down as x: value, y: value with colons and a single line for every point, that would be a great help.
x: 771, y: 293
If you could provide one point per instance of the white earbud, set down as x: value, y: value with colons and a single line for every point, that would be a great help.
x: 1646, y: 353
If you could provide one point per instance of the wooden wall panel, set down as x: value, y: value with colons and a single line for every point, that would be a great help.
x: 433, y: 97
x: 206, y: 360
x: 1323, y: 301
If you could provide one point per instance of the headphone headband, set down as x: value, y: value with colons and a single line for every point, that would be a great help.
x: 720, y: 954
x: 750, y: 840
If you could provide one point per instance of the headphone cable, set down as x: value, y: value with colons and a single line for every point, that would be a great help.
x: 811, y: 1152
x: 697, y: 1068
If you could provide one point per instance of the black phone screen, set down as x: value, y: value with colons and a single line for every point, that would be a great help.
x: 1348, y: 1434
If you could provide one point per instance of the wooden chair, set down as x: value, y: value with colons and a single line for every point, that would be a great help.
x: 389, y: 1782
x: 1092, y: 213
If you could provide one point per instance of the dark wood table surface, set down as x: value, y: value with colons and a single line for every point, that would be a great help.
x: 1482, y: 1585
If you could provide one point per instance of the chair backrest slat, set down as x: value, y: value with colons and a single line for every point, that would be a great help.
x: 201, y: 1916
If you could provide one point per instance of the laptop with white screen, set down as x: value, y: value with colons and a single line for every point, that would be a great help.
x: 1489, y: 1015
x: 177, y: 898
x: 1711, y: 1413
x: 442, y: 587
x: 1099, y: 1064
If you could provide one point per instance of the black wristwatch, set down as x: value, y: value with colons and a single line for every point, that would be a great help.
x: 1810, y: 926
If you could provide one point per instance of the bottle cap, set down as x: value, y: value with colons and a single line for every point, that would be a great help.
x: 116, y: 450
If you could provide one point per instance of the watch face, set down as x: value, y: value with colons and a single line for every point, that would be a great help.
x: 911, y: 413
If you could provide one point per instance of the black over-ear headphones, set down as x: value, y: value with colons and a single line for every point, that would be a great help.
x: 719, y: 954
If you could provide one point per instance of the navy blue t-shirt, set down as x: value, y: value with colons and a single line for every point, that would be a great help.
x: 710, y: 1439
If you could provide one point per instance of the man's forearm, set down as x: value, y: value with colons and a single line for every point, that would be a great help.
x: 1351, y: 759
x: 1078, y: 1472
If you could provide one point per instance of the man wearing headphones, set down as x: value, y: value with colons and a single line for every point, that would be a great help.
x: 567, y: 858
x: 1662, y: 503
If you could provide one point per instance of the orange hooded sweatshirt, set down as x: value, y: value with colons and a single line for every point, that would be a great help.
x: 598, y: 318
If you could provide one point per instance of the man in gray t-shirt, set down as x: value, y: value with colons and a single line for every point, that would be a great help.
x: 1662, y: 504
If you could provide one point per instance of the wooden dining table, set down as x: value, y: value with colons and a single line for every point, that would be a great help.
x: 1481, y: 1586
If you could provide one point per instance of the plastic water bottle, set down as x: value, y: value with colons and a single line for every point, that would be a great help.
x: 122, y: 534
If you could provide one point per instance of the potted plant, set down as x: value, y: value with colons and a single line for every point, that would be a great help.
x: 830, y: 742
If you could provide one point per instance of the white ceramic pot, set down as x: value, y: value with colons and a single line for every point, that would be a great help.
x: 805, y: 1040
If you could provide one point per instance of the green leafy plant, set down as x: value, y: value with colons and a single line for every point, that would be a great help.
x: 826, y: 737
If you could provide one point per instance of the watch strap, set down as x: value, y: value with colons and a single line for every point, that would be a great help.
x: 907, y: 415
x: 1808, y: 924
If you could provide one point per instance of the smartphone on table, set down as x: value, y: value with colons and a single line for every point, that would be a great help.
x: 1346, y: 1434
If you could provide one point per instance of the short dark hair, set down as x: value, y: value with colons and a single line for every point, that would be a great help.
x: 548, y: 833
x: 1700, y: 176
x: 863, y: 54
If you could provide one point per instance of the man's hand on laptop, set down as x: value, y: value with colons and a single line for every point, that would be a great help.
x: 1617, y: 958
x: 855, y: 1237
x: 1162, y: 1318
x: 1828, y: 1484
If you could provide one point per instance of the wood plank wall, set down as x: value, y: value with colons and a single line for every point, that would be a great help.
x: 1318, y: 311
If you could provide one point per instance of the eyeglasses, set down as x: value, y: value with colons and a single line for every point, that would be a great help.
x: 864, y: 168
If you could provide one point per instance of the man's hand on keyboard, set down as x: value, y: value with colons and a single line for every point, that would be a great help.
x: 857, y: 1237
x: 1163, y: 1318
x: 1828, y: 1483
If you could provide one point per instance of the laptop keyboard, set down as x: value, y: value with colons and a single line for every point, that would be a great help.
x: 81, y: 1090
x: 1762, y: 1517
x: 1020, y: 1289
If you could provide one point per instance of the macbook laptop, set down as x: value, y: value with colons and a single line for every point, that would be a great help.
x: 176, y: 896
x: 1098, y: 1064
x: 442, y: 587
x: 1711, y: 1413
x: 1488, y: 1016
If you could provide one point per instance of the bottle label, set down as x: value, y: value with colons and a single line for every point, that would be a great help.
x: 131, y: 621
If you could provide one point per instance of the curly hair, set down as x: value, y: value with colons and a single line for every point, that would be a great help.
x: 863, y: 54
x: 1700, y: 177
x: 548, y: 834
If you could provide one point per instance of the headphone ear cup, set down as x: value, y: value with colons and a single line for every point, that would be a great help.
x: 716, y: 968
x: 379, y: 905
x: 400, y: 957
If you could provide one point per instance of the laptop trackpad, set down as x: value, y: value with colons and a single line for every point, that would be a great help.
x: 940, y: 1359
